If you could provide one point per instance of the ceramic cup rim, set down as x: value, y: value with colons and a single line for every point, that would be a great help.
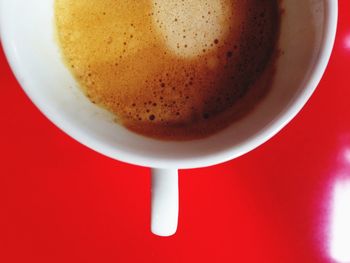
x: 327, y: 42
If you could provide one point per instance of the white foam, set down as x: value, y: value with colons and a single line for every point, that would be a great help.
x: 188, y: 27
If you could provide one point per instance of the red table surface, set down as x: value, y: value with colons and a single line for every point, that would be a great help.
x: 62, y: 202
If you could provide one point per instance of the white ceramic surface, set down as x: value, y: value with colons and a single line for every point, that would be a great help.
x: 27, y: 34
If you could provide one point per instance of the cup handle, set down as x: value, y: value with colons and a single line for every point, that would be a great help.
x: 165, y: 202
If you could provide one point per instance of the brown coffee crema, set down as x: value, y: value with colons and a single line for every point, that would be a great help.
x: 171, y: 69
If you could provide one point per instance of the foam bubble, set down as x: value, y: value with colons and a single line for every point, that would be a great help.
x: 190, y: 26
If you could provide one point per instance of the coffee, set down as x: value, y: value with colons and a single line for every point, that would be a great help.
x: 171, y: 69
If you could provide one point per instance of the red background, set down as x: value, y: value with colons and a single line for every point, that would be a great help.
x: 62, y: 202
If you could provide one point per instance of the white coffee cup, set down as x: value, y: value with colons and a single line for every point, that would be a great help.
x: 27, y: 33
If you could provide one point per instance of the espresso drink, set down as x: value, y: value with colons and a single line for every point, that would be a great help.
x: 171, y: 69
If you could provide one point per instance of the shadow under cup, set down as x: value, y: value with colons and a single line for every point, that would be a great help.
x: 306, y: 40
